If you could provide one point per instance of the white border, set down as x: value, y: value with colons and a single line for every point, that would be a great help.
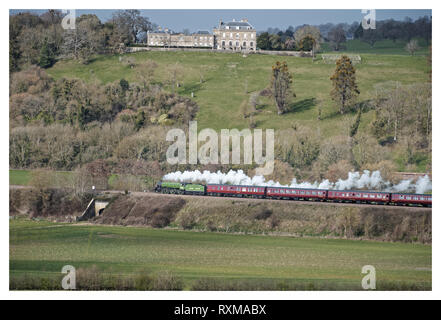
x: 227, y: 4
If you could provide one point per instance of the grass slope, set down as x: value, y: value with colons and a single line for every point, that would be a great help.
x: 231, y: 78
x: 43, y: 248
x: 19, y: 177
x: 380, y: 47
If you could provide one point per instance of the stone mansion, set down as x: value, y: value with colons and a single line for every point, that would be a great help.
x: 233, y: 36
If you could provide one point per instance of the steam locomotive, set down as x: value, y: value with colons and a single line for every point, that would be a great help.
x: 285, y: 193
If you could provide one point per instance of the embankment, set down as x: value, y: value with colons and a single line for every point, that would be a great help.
x: 285, y: 218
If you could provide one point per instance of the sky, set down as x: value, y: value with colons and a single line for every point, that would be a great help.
x: 195, y: 20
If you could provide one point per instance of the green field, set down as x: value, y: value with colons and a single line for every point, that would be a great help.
x: 19, y: 177
x: 41, y: 249
x: 23, y: 177
x: 229, y: 79
x: 380, y: 47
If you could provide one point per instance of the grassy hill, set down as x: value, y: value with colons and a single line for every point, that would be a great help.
x: 231, y: 78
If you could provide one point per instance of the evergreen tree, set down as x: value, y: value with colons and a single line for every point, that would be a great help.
x: 281, y: 86
x: 14, y: 46
x: 140, y: 120
x: 344, y: 84
x: 46, y: 58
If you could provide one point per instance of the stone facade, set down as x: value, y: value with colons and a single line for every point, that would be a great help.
x: 234, y: 36
x: 202, y: 39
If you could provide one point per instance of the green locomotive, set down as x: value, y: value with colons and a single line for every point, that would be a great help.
x: 180, y: 188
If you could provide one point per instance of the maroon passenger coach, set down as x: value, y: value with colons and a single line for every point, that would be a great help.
x: 229, y: 190
x: 295, y: 193
x: 359, y: 196
x: 408, y: 198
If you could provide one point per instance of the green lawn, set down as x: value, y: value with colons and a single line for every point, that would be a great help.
x: 19, y: 177
x: 23, y: 177
x: 231, y: 78
x: 380, y: 47
x: 42, y: 248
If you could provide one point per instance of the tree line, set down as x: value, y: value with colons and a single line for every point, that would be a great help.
x: 302, y: 38
x: 41, y: 40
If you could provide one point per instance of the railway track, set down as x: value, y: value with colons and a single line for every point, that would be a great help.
x: 324, y: 203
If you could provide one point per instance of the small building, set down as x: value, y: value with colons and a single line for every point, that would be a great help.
x: 200, y: 39
x: 235, y: 35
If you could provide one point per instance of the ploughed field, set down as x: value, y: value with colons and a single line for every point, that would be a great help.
x: 39, y: 249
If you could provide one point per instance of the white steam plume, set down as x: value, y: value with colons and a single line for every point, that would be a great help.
x: 355, y: 180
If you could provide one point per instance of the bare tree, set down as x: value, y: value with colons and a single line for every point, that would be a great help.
x: 337, y: 37
x: 412, y: 46
x: 131, y: 24
x: 146, y: 72
x: 175, y: 73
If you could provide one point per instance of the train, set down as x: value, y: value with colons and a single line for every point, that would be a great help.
x: 299, y: 194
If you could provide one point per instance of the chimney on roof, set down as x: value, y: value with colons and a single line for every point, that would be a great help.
x: 244, y: 20
x: 234, y: 20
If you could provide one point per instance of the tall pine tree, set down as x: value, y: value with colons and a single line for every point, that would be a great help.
x: 344, y: 86
x: 47, y: 58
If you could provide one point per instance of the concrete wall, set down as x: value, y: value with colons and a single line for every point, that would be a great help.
x: 94, y: 209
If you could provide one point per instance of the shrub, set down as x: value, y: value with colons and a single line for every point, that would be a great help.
x: 263, y: 213
x: 167, y: 281
x: 161, y: 219
x: 187, y: 221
